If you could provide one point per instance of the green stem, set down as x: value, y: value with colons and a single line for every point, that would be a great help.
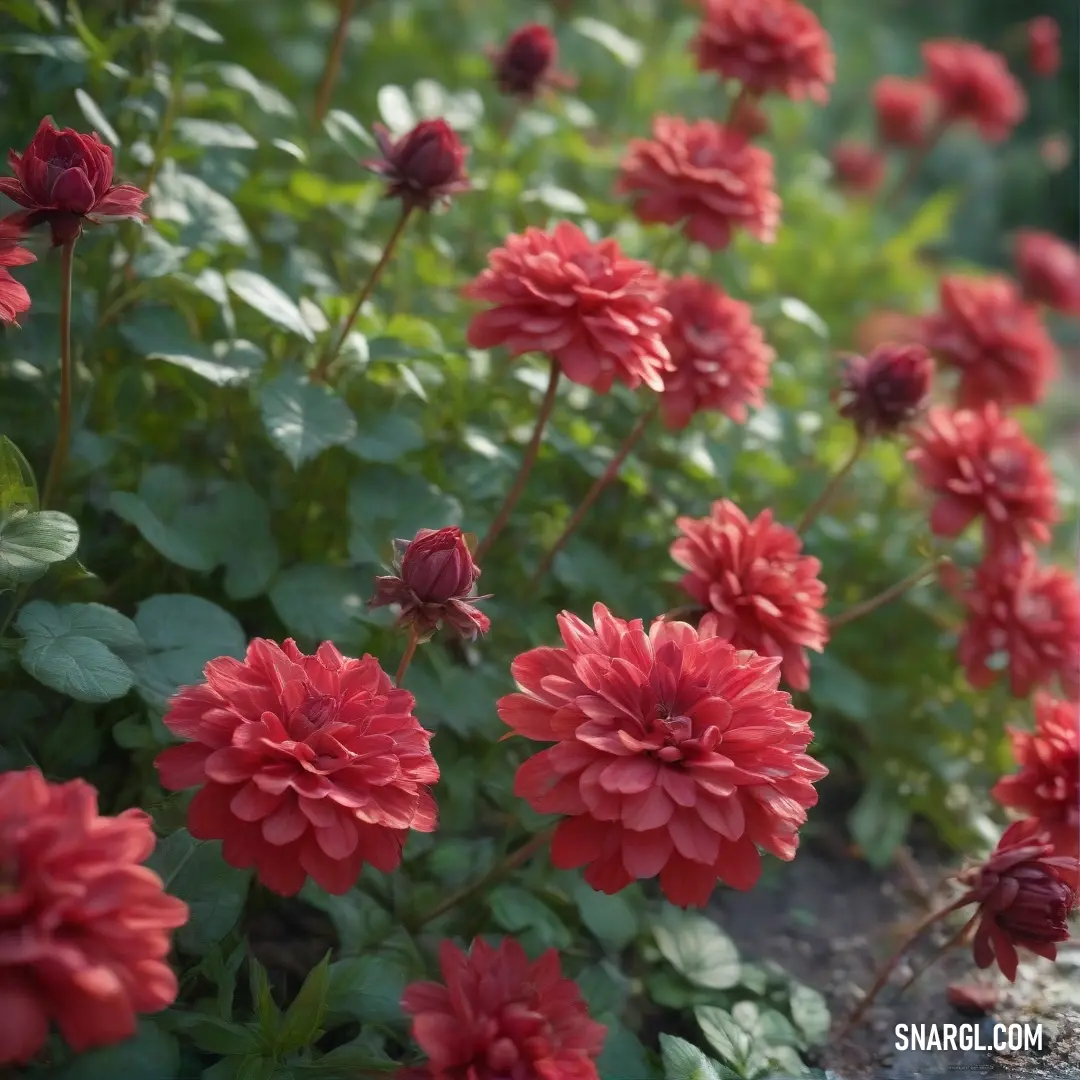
x: 886, y: 596
x: 63, y: 435
x: 831, y: 487
x: 406, y: 659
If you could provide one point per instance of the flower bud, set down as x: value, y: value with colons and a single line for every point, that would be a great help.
x: 882, y: 391
x: 424, y: 166
x: 859, y: 168
x: 1044, y: 45
x: 905, y: 110
x: 526, y: 62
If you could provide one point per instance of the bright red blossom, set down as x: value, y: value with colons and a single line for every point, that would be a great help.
x: 906, y: 109
x: 721, y: 361
x: 884, y: 390
x: 424, y: 167
x: 995, y: 339
x: 770, y: 46
x: 1047, y: 787
x: 1049, y: 270
x: 525, y: 65
x: 498, y: 1016
x: 587, y: 306
x: 84, y: 929
x: 306, y: 765
x: 1044, y: 45
x: 675, y: 755
x: 708, y: 177
x: 859, y: 168
x: 757, y: 590
x: 14, y: 299
x: 979, y: 463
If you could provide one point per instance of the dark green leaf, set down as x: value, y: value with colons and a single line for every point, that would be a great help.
x: 304, y: 1017
x: 303, y: 419
x: 367, y: 988
x: 31, y: 541
x: 698, y: 949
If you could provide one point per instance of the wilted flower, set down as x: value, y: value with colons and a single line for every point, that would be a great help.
x: 906, y: 109
x: 709, y: 177
x: 1047, y: 787
x: 995, y: 339
x: 305, y: 765
x: 590, y: 308
x: 757, y: 590
x: 1044, y: 45
x: 14, y: 299
x: 883, y: 391
x: 65, y: 178
x: 499, y: 1016
x: 423, y: 167
x: 434, y: 584
x: 675, y: 755
x: 859, y: 168
x: 84, y: 928
x: 721, y: 361
x: 525, y: 64
x: 1049, y: 270
x: 768, y: 45
x: 973, y: 999
x: 979, y: 463
x: 974, y: 84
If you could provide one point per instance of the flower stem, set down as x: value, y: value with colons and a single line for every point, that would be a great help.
x: 406, y: 659
x: 334, y: 55
x: 886, y: 596
x: 599, y: 484
x: 915, y: 162
x: 836, y: 480
x: 939, y: 953
x: 527, y: 462
x: 323, y: 366
x: 510, y: 862
x: 63, y: 435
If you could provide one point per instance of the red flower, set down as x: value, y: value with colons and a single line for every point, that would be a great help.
x: 1044, y: 45
x: 424, y: 167
x: 704, y: 175
x: 1025, y: 894
x: 434, y: 584
x: 65, y: 178
x: 995, y: 339
x: 84, y: 929
x: 14, y: 299
x: 883, y: 391
x: 768, y: 45
x: 757, y: 590
x: 979, y: 463
x: 859, y: 168
x: 1049, y: 270
x: 501, y: 1017
x: 906, y: 109
x: 586, y: 305
x: 1027, y: 613
x: 674, y: 755
x: 306, y: 765
x: 1047, y: 787
x: 525, y: 64
x: 974, y: 84
x: 721, y: 361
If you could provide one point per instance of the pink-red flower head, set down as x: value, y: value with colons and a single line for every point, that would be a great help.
x: 434, y: 584
x: 859, y: 167
x: 498, y: 1016
x: 1025, y: 894
x: 1044, y: 45
x: 770, y: 46
x: 974, y: 84
x: 979, y: 463
x: 708, y: 177
x: 84, y: 928
x: 1047, y: 787
x: 526, y: 64
x: 995, y: 339
x: 591, y: 309
x: 757, y: 590
x: 906, y: 110
x: 721, y: 361
x: 305, y: 765
x: 884, y: 390
x: 423, y: 167
x: 1049, y: 270
x: 675, y: 755
x: 65, y: 178
x: 14, y: 299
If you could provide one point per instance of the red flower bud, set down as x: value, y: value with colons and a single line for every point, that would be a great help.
x: 526, y: 63
x: 905, y: 109
x: 1044, y: 45
x: 859, y: 168
x: 884, y: 390
x: 424, y: 166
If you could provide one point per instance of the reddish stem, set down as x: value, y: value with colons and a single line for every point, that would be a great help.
x: 63, y: 435
x: 334, y: 57
x: 835, y: 481
x: 886, y: 596
x: 406, y: 659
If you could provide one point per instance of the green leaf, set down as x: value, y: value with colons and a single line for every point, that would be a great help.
x: 31, y: 541
x: 214, y: 133
x: 766, y: 1026
x: 360, y: 921
x: 266, y: 298
x: 303, y: 419
x: 684, y: 1061
x: 367, y: 988
x: 304, y: 1017
x: 271, y: 100
x: 604, y: 987
x: 623, y: 1056
x: 150, y: 1053
x: 519, y: 912
x: 221, y: 1036
x: 625, y: 49
x: 265, y: 1007
x: 18, y: 488
x: 73, y: 744
x: 835, y: 686
x: 386, y: 438
x: 698, y: 949
x: 96, y: 118
x: 225, y: 363
x: 610, y: 919
x: 734, y: 1045
x: 879, y: 822
x: 395, y: 109
x: 322, y: 603
x: 206, y: 218
x: 561, y: 200
x: 810, y: 1011
x: 348, y: 132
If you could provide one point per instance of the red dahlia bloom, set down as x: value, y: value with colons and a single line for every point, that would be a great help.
x: 757, y: 590
x: 1025, y: 894
x: 883, y: 391
x: 906, y: 109
x: 674, y: 755
x: 65, y: 178
x: 423, y: 167
x: 587, y: 306
x: 721, y: 361
x: 1047, y: 787
x: 859, y: 168
x: 979, y: 463
x: 434, y: 584
x: 14, y: 299
x: 498, y: 1016
x: 995, y: 339
x: 525, y: 64
x: 1030, y: 614
x: 1044, y: 45
x: 975, y: 84
x: 768, y: 45
x: 306, y: 765
x: 84, y: 929
x: 709, y: 177
x: 1049, y: 270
